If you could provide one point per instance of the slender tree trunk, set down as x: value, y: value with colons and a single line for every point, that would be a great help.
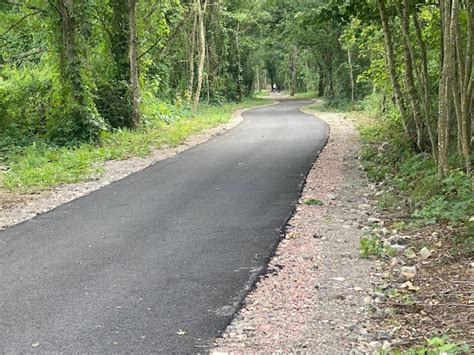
x: 208, y: 70
x: 71, y: 70
x: 321, y: 81
x: 330, y: 79
x: 202, y: 52
x: 425, y: 86
x: 240, y: 79
x: 120, y: 107
x: 192, y: 50
x: 392, y: 67
x: 410, y: 77
x: 309, y: 86
x: 444, y: 89
x: 258, y: 80
x: 134, y: 81
x: 468, y: 90
x: 462, y: 83
x: 351, y: 74
x: 294, y: 71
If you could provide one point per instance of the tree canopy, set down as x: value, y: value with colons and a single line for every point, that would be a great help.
x: 71, y: 69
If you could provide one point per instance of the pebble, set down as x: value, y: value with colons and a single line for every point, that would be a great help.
x: 375, y: 345
x: 425, y: 253
x: 409, y: 272
x: 373, y: 220
x: 398, y: 248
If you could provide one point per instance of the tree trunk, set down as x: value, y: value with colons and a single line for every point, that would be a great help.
x: 202, y: 52
x: 392, y: 67
x: 330, y: 79
x: 134, y: 63
x: 208, y: 70
x: 294, y: 71
x: 321, y: 81
x: 192, y: 50
x: 468, y: 90
x: 258, y: 80
x: 425, y: 86
x: 71, y: 70
x: 462, y: 85
x: 444, y: 90
x: 351, y: 74
x: 120, y: 107
x: 410, y: 77
x: 240, y: 80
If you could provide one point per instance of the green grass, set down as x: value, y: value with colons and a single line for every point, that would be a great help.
x: 306, y: 95
x: 41, y: 166
x: 435, y: 346
x: 313, y: 202
x: 372, y: 246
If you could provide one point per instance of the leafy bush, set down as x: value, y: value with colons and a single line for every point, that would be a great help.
x: 410, y: 179
x: 437, y: 345
x: 25, y: 95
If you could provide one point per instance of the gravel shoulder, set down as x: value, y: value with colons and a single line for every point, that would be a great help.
x: 16, y: 208
x: 314, y: 296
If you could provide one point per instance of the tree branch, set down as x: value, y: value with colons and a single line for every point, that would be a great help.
x: 16, y: 3
x: 23, y: 18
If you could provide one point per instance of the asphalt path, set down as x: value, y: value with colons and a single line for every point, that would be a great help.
x: 161, y: 260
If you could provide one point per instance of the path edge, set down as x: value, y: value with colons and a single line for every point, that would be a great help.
x: 45, y: 201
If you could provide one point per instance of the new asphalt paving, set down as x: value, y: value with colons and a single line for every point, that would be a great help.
x: 159, y: 261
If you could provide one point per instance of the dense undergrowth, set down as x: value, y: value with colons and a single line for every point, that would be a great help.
x: 40, y: 164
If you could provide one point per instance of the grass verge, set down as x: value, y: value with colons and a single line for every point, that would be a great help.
x: 41, y: 166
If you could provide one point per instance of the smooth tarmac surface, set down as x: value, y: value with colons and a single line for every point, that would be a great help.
x: 159, y: 261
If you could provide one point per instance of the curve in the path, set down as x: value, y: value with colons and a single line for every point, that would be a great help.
x: 158, y: 261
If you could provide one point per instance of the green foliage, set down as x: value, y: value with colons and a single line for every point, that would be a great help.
x: 313, y: 202
x: 410, y: 179
x: 371, y: 246
x: 337, y: 104
x: 25, y: 99
x: 42, y: 166
x: 435, y: 346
